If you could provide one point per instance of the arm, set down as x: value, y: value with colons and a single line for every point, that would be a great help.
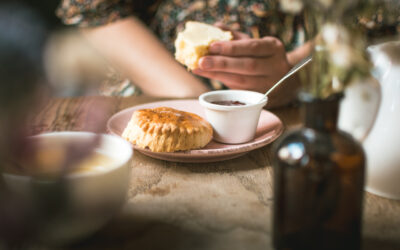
x: 130, y: 46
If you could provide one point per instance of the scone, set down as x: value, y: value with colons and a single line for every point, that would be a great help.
x: 166, y: 129
x: 192, y: 43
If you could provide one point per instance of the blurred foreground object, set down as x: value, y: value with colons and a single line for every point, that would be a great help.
x: 78, y: 181
x: 22, y: 88
x: 318, y: 182
x: 22, y: 39
x: 37, y: 207
x: 73, y: 67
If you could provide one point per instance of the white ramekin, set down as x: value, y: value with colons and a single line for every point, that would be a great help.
x: 233, y: 124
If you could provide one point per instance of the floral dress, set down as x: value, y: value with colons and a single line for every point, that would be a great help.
x: 258, y: 18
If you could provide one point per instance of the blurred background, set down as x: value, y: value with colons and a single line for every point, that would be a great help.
x: 46, y: 9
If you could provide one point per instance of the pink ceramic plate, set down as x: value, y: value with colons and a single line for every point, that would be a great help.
x: 269, y: 128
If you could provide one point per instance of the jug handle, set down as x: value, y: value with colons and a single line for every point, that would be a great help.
x: 359, y: 108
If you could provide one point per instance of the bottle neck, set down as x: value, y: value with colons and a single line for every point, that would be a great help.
x: 321, y: 114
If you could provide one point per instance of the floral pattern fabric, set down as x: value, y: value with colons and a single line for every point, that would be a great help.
x: 258, y: 18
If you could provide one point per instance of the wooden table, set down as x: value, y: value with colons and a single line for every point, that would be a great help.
x: 222, y: 205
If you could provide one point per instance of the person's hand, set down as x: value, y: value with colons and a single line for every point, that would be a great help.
x: 245, y: 63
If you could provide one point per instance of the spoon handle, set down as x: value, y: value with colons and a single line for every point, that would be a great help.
x: 296, y: 67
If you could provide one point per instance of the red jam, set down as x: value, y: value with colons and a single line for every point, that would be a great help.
x: 229, y: 103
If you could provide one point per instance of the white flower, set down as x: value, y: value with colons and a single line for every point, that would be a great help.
x: 333, y: 34
x: 326, y: 3
x: 341, y: 56
x: 291, y: 6
x: 337, y: 42
x: 336, y: 84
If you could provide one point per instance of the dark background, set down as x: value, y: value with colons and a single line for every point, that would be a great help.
x: 46, y: 9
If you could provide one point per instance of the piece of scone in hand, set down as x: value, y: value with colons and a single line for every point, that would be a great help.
x: 192, y: 43
x: 166, y: 129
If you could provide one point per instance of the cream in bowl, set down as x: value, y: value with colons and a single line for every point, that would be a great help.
x: 233, y: 114
x: 88, y: 173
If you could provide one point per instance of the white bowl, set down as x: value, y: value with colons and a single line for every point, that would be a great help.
x: 88, y: 199
x: 233, y: 124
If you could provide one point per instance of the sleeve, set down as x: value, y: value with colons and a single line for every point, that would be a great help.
x: 88, y: 13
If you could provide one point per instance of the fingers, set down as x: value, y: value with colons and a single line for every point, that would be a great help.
x: 237, y: 35
x: 237, y: 81
x: 266, y: 46
x: 237, y: 65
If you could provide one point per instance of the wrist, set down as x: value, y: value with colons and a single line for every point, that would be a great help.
x: 298, y: 54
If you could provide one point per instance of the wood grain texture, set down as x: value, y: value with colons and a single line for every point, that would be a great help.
x: 223, y: 205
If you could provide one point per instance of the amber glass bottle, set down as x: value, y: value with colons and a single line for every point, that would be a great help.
x: 318, y: 182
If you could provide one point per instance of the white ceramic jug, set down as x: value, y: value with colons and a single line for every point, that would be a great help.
x: 382, y: 145
x: 359, y: 108
x: 370, y: 112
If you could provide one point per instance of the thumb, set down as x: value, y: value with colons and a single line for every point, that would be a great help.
x: 237, y: 35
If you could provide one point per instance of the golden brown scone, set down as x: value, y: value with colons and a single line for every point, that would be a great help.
x: 166, y: 129
x: 192, y: 43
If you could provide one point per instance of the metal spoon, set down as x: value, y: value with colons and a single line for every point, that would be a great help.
x: 296, y: 68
